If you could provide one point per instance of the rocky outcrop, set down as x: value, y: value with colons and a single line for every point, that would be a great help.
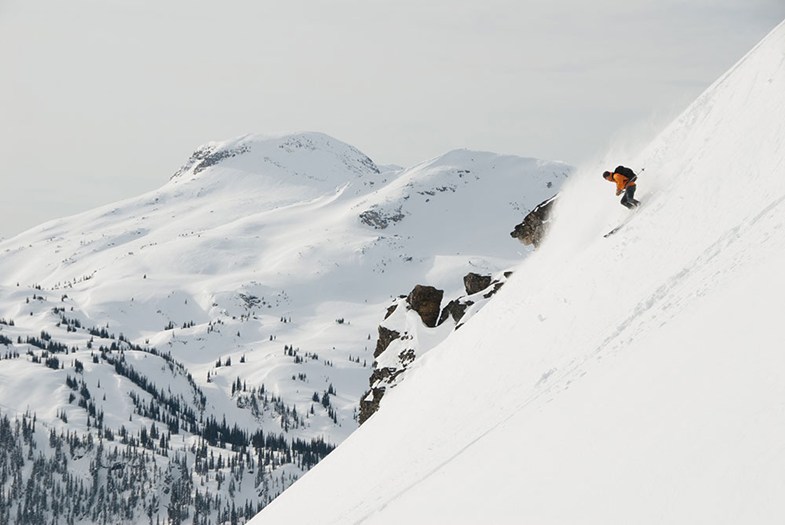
x: 399, y: 343
x: 209, y: 155
x: 369, y: 404
x: 379, y: 219
x: 479, y: 288
x: 381, y: 377
x: 426, y: 301
x: 455, y: 309
x: 386, y: 336
x: 534, y: 227
x: 474, y: 283
x: 387, y: 365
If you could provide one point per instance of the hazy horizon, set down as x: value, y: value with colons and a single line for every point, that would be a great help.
x: 105, y: 100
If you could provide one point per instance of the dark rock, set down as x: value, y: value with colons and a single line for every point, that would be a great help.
x: 379, y: 377
x: 386, y: 336
x: 384, y: 375
x: 475, y: 283
x: 426, y: 301
x: 391, y: 310
x: 207, y: 156
x: 496, y: 288
x: 406, y: 357
x: 379, y: 219
x: 534, y: 226
x: 455, y: 309
x: 369, y: 407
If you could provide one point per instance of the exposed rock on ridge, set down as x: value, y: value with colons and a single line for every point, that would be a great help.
x: 399, y: 340
x: 426, y: 301
x: 475, y: 283
x: 532, y: 231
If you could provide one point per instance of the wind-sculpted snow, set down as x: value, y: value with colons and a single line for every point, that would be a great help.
x: 633, y: 379
x: 221, y: 329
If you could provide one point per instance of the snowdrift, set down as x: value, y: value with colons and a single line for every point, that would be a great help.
x: 633, y: 379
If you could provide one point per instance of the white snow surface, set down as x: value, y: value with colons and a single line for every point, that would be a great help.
x: 634, y: 379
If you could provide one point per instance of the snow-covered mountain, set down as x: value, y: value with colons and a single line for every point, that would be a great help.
x: 189, y: 353
x: 638, y: 378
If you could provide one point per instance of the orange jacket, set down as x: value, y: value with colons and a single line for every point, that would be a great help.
x: 621, y: 182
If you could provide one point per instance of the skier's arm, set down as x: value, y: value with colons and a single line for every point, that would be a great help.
x: 621, y: 183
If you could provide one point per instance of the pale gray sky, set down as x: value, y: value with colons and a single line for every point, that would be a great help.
x: 101, y: 100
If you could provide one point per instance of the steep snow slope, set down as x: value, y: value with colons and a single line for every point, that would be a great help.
x: 634, y: 379
x: 246, y: 288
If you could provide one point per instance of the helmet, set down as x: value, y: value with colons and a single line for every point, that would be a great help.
x: 606, y: 174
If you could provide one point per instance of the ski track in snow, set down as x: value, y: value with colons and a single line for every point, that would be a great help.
x: 560, y: 379
x: 734, y: 239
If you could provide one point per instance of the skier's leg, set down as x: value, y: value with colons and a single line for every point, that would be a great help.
x: 625, y: 201
x: 629, y: 197
x: 632, y: 195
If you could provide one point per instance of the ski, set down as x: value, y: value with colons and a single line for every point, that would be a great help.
x: 620, y: 226
x: 617, y: 228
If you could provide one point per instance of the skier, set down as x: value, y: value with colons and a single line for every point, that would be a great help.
x: 625, y: 183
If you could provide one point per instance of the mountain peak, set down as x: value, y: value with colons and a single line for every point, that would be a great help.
x: 296, y: 151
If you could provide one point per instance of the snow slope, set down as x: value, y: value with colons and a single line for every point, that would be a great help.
x: 633, y: 379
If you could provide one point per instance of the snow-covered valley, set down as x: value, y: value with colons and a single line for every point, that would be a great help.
x: 186, y: 355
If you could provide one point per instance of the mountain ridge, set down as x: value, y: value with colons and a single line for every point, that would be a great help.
x: 222, y: 324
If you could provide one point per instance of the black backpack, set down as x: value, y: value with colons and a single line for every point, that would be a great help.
x: 627, y: 172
